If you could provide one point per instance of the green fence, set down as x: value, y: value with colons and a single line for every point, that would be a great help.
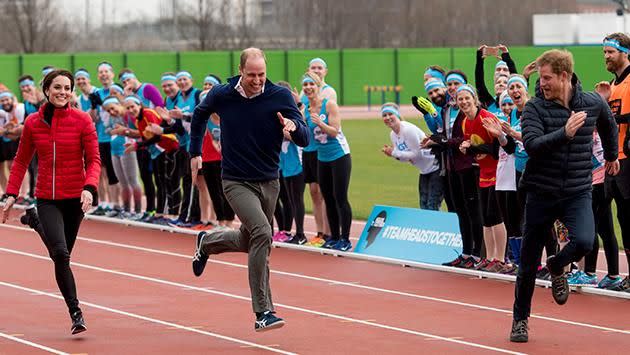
x: 350, y: 70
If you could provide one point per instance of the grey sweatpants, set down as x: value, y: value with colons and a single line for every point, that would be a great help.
x: 254, y: 204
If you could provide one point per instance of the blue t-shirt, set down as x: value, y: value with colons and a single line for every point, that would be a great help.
x: 520, y: 155
x: 328, y: 148
x: 290, y: 159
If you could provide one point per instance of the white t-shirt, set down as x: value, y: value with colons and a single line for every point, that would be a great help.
x: 407, y: 148
x: 506, y: 172
x: 17, y: 114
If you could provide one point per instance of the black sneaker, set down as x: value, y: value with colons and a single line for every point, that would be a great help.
x: 78, y: 324
x: 199, y: 259
x: 268, y: 321
x: 298, y: 239
x: 543, y: 274
x: 559, y: 285
x: 454, y: 262
x: 519, y: 331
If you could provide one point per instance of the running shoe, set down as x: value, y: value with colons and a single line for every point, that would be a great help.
x: 509, y: 269
x: 316, y: 242
x: 199, y: 258
x: 330, y: 243
x: 611, y: 283
x: 4, y: 198
x: 482, y: 264
x: 343, y: 245
x: 455, y: 262
x: 559, y: 285
x: 299, y: 239
x: 147, y: 217
x: 624, y: 285
x: 99, y: 211
x: 495, y: 266
x: 202, y: 227
x: 468, y: 263
x: 113, y: 212
x: 580, y: 278
x: 280, y: 237
x: 519, y: 332
x: 543, y: 274
x: 78, y: 324
x: 268, y: 321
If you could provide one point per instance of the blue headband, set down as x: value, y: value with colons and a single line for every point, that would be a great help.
x: 127, y: 76
x: 615, y: 44
x: 5, y: 94
x: 468, y: 88
x: 133, y: 99
x: 46, y: 71
x: 455, y: 77
x: 168, y: 78
x: 183, y: 73
x: 109, y: 66
x: 435, y: 74
x: 505, y: 98
x: 500, y: 64
x: 81, y: 73
x: 307, y: 80
x: 390, y: 109
x: 111, y: 100
x: 117, y: 88
x: 318, y: 60
x: 27, y: 82
x: 433, y: 83
x: 517, y: 79
x: 211, y: 79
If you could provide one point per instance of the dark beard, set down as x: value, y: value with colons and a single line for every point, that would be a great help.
x: 440, y: 100
x: 7, y: 108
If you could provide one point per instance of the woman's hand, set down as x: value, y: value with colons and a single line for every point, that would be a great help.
x: 8, y: 204
x: 387, y: 150
x: 86, y: 200
x: 131, y: 147
x: 464, y: 146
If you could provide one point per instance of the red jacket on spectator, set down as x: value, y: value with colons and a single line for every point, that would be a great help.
x: 164, y: 142
x: 67, y: 152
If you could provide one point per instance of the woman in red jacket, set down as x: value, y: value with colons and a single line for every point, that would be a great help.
x: 65, y: 141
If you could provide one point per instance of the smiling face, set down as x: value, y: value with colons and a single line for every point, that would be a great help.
x: 207, y: 86
x: 60, y: 91
x: 133, y: 108
x: 452, y: 86
x: 614, y: 59
x: 7, y: 103
x: 105, y: 75
x: 311, y: 90
x: 170, y: 88
x: 552, y: 85
x: 82, y: 82
x: 184, y: 83
x: 518, y: 93
x: 501, y: 70
x: 115, y: 110
x: 466, y: 102
x: 319, y: 69
x: 253, y: 75
x: 391, y: 121
x: 500, y: 84
x: 507, y: 108
x: 437, y: 96
x: 132, y: 83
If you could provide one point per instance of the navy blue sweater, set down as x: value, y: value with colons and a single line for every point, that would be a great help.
x: 251, y: 133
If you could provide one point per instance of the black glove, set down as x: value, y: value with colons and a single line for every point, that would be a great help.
x: 95, y: 100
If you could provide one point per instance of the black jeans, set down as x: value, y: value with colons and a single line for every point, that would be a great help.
x: 60, y: 221
x: 541, y: 210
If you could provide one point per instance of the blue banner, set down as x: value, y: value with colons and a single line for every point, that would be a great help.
x: 411, y: 234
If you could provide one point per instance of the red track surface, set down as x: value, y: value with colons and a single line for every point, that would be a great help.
x: 138, y: 295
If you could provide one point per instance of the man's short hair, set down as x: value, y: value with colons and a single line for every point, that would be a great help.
x: 559, y: 60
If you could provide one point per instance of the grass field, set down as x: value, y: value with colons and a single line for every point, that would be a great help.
x: 378, y: 179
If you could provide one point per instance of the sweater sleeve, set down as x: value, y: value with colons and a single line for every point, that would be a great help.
x: 89, y: 141
x: 22, y: 159
x: 412, y: 140
x: 536, y: 142
x: 200, y: 120
x: 608, y: 132
x: 153, y: 95
x: 480, y: 83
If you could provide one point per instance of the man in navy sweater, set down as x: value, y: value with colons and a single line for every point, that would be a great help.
x: 254, y: 113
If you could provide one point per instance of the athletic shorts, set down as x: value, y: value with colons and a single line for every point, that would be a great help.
x: 490, y: 207
x: 309, y: 167
x: 8, y: 150
x: 105, y: 150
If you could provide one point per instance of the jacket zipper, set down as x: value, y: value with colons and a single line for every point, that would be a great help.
x: 54, y: 163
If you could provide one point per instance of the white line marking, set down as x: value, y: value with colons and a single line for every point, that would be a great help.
x: 279, y: 305
x: 348, y: 284
x: 34, y: 345
x: 152, y: 320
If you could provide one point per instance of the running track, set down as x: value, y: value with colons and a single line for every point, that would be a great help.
x: 138, y: 295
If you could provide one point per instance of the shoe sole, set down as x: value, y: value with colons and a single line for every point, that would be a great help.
x: 519, y: 339
x: 79, y: 329
x: 276, y: 325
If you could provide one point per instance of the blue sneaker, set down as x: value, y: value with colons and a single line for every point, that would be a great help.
x: 580, y: 278
x: 609, y: 283
x: 330, y: 243
x: 268, y: 321
x: 343, y: 245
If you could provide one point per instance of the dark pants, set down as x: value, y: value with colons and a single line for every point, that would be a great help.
x: 145, y: 165
x: 212, y: 175
x: 541, y: 210
x: 619, y: 194
x: 605, y: 229
x: 32, y: 176
x: 190, y: 210
x: 168, y: 179
x: 60, y: 221
x: 295, y: 188
x: 464, y: 190
x: 283, y: 211
x: 334, y: 180
x: 431, y: 191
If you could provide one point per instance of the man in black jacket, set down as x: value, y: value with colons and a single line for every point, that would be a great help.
x: 558, y: 129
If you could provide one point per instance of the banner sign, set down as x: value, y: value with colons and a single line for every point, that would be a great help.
x: 411, y: 234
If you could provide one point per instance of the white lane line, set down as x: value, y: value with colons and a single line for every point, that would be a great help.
x: 278, y: 305
x: 34, y: 345
x: 151, y: 320
x: 348, y: 284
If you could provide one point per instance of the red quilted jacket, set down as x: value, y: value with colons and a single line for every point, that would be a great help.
x: 67, y: 151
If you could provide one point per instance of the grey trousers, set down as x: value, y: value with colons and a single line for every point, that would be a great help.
x: 254, y: 204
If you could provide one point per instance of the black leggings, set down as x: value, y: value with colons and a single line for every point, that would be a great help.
x: 283, y: 211
x: 295, y: 189
x: 334, y: 180
x: 511, y: 212
x: 190, y: 210
x: 212, y: 175
x: 168, y: 179
x: 606, y: 230
x: 464, y: 191
x: 623, y: 210
x: 145, y: 166
x: 60, y: 221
